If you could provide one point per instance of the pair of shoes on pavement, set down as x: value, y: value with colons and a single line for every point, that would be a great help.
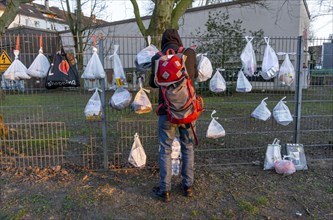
x: 165, y: 195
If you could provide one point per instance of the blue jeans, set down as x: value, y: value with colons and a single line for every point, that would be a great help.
x: 166, y: 134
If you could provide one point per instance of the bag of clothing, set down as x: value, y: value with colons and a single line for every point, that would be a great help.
x: 94, y: 68
x: 243, y: 84
x: 297, y: 155
x: 120, y: 99
x: 141, y: 103
x: 215, y: 129
x: 93, y: 109
x: 248, y: 58
x: 217, y: 83
x: 281, y: 113
x: 143, y: 58
x: 61, y: 72
x: 273, y: 154
x: 287, y: 71
x: 137, y: 156
x: 270, y: 62
x: 119, y: 78
x: 285, y: 167
x: 262, y: 112
x: 40, y: 65
x: 205, y: 68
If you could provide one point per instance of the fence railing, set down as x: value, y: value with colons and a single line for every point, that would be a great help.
x: 48, y: 127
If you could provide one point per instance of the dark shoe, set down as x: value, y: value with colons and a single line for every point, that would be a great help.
x: 187, y: 191
x: 165, y: 196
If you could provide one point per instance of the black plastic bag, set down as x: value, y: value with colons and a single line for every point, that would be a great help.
x: 61, y: 72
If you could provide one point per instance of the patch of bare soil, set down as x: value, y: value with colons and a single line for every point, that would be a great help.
x: 236, y: 192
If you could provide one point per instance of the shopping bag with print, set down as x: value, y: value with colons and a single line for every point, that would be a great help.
x: 175, y: 156
x: 281, y: 113
x: 261, y: 112
x: 120, y: 99
x: 94, y: 68
x: 217, y: 83
x: 141, y: 103
x: 61, y: 72
x: 243, y: 84
x: 297, y: 155
x: 119, y: 78
x: 17, y: 70
x: 93, y: 109
x: 40, y: 65
x: 287, y: 70
x: 137, y: 156
x: 273, y: 154
x: 270, y: 62
x: 215, y: 129
x: 143, y: 58
x: 248, y: 58
x: 205, y: 68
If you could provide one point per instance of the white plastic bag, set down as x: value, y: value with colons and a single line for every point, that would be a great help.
x: 285, y: 167
x: 243, y: 84
x: 248, y: 58
x: 273, y: 154
x: 287, y: 71
x: 205, y: 68
x: 175, y: 156
x: 262, y: 112
x: 40, y: 66
x: 94, y: 68
x: 16, y: 70
x: 137, y: 156
x: 93, y: 109
x: 141, y: 103
x: 119, y: 78
x: 217, y: 83
x: 270, y: 62
x: 120, y: 99
x: 215, y: 129
x: 145, y: 55
x: 281, y: 113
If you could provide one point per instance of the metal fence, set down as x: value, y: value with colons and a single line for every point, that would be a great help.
x: 48, y: 127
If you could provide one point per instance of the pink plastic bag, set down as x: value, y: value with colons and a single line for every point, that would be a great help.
x: 285, y: 167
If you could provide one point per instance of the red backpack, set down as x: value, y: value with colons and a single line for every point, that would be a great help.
x: 182, y: 104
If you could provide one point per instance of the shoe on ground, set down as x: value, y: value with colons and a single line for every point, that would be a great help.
x: 165, y: 196
x: 187, y: 191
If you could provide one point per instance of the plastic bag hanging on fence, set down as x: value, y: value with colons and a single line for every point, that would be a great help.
x: 62, y: 73
x: 175, y: 156
x: 141, y: 103
x: 40, y: 65
x: 143, y: 58
x: 248, y: 58
x: 119, y: 78
x: 285, y: 167
x: 281, y: 113
x: 205, y: 68
x: 137, y: 156
x: 270, y: 62
x: 217, y: 82
x: 243, y: 84
x: 262, y: 112
x: 120, y: 99
x: 297, y: 155
x: 93, y: 109
x: 94, y: 68
x: 273, y: 154
x: 17, y: 70
x: 287, y: 71
x: 215, y: 129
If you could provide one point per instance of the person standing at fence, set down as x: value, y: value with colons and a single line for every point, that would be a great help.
x: 167, y: 130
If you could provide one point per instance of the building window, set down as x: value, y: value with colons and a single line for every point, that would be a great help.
x: 36, y: 23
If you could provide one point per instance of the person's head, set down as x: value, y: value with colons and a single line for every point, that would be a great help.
x: 171, y: 36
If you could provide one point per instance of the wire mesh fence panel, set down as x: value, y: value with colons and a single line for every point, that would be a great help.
x: 49, y: 127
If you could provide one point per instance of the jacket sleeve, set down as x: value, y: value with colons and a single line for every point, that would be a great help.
x: 152, y: 74
x: 191, y: 64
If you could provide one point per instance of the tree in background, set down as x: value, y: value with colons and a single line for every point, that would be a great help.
x: 166, y: 14
x: 224, y: 40
x: 11, y: 10
x: 82, y: 27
